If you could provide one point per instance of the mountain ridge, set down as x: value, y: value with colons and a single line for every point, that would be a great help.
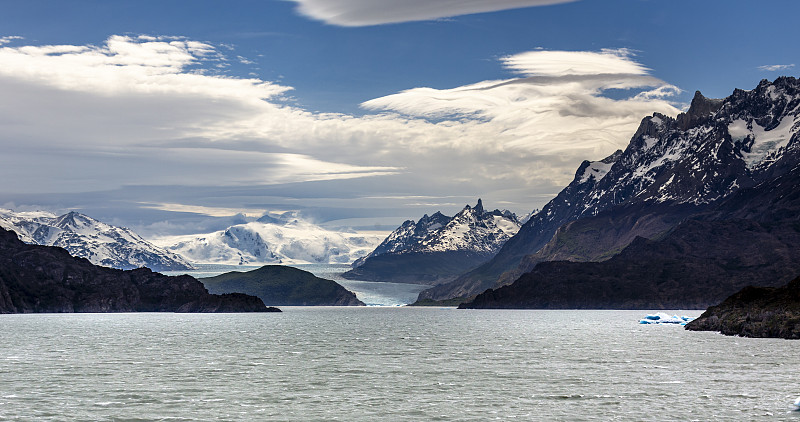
x: 85, y: 237
x: 703, y: 155
x: 700, y: 262
x: 435, y: 249
x: 269, y: 240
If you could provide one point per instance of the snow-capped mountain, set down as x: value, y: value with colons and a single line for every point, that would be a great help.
x: 436, y: 248
x: 703, y: 155
x: 269, y: 240
x: 409, y: 233
x: 85, y: 237
x: 471, y: 230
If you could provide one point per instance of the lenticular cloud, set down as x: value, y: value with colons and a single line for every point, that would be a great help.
x: 558, y: 108
x: 377, y: 12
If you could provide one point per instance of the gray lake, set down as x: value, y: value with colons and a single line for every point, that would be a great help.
x: 387, y: 364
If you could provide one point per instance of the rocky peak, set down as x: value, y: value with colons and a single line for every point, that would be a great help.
x: 479, y: 207
x: 71, y: 219
x: 699, y: 111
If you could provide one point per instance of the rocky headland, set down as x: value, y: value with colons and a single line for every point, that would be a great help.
x: 45, y: 279
x: 755, y: 312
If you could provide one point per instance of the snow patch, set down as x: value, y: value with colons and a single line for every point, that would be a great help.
x: 596, y: 169
x: 765, y: 143
x: 649, y: 141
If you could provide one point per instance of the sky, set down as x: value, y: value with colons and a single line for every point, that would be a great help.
x: 184, y: 116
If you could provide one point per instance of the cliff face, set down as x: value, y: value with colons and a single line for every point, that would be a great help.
x: 755, y: 312
x: 48, y: 279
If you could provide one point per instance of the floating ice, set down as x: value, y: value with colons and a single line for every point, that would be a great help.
x: 662, y: 318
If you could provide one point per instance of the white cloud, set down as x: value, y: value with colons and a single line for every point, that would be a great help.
x: 562, y: 112
x: 209, y: 211
x: 562, y: 63
x: 776, y: 67
x: 6, y: 40
x: 377, y: 12
x: 135, y: 111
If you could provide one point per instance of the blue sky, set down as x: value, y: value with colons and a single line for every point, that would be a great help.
x: 170, y: 115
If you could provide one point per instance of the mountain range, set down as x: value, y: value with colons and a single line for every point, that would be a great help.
x: 285, y: 239
x: 85, y: 237
x: 435, y: 249
x: 692, y: 208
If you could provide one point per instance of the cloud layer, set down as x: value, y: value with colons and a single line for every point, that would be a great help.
x: 377, y: 12
x: 144, y: 111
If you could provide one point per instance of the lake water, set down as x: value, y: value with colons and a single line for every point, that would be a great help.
x: 370, y: 292
x: 387, y: 364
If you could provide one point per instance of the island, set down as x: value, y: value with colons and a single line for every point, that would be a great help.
x: 280, y: 285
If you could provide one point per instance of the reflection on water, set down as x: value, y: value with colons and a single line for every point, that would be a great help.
x: 370, y: 292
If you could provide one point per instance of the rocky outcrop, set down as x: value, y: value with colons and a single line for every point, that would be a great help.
x: 37, y: 279
x: 283, y: 286
x: 755, y: 312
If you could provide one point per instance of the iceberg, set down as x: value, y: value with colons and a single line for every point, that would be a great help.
x: 662, y: 318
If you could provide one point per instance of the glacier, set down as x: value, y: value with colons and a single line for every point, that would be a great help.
x: 288, y: 239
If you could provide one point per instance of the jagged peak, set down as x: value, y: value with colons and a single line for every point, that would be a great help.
x: 702, y: 106
x: 479, y: 207
x: 650, y: 124
x: 699, y: 110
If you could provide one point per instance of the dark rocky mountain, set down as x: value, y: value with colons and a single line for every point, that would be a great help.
x: 85, y: 237
x: 755, y: 312
x: 436, y: 249
x: 672, y: 168
x: 37, y: 278
x: 753, y: 237
x: 283, y: 286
